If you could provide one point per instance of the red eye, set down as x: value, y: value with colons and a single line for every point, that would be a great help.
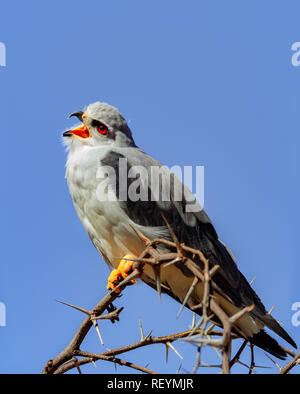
x: 102, y: 129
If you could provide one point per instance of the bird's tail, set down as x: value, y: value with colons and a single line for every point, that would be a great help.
x: 273, y: 325
x: 269, y: 344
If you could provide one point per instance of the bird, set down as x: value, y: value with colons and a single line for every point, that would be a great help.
x: 101, y: 153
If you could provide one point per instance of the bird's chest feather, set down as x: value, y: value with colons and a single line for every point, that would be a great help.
x: 105, y: 222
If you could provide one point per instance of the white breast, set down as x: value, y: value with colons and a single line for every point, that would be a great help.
x: 105, y: 221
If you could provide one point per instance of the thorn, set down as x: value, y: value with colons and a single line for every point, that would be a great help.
x: 95, y: 323
x: 148, y: 336
x: 191, y: 289
x: 75, y: 307
x: 186, y: 371
x: 93, y: 362
x: 271, y: 310
x: 196, y: 306
x: 196, y: 326
x: 167, y: 352
x: 198, y: 360
x: 233, y: 319
x: 139, y: 260
x: 141, y: 330
x: 178, y: 370
x: 246, y: 366
x: 156, y: 270
x: 174, y: 350
x: 79, y: 370
x: 213, y: 271
x: 141, y: 235
x: 193, y: 320
x: 252, y: 280
x: 274, y: 362
x: 210, y: 328
x: 177, y: 260
x: 262, y: 367
x: 175, y: 239
x: 77, y: 366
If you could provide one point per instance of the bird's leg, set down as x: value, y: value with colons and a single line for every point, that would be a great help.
x: 120, y: 273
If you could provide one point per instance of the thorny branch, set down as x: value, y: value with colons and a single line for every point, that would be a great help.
x: 199, y: 335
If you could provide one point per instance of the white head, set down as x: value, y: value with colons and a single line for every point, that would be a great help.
x: 102, y: 125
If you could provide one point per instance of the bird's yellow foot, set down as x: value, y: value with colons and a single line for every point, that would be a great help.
x: 120, y: 273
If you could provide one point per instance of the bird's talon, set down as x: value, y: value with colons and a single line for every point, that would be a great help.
x: 120, y: 273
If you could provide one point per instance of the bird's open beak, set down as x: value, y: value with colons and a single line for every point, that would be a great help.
x: 82, y: 132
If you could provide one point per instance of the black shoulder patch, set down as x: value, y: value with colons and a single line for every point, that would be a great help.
x: 112, y: 159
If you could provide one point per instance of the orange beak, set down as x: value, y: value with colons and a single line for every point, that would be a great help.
x: 82, y: 132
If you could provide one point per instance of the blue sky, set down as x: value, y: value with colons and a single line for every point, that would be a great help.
x: 203, y: 83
